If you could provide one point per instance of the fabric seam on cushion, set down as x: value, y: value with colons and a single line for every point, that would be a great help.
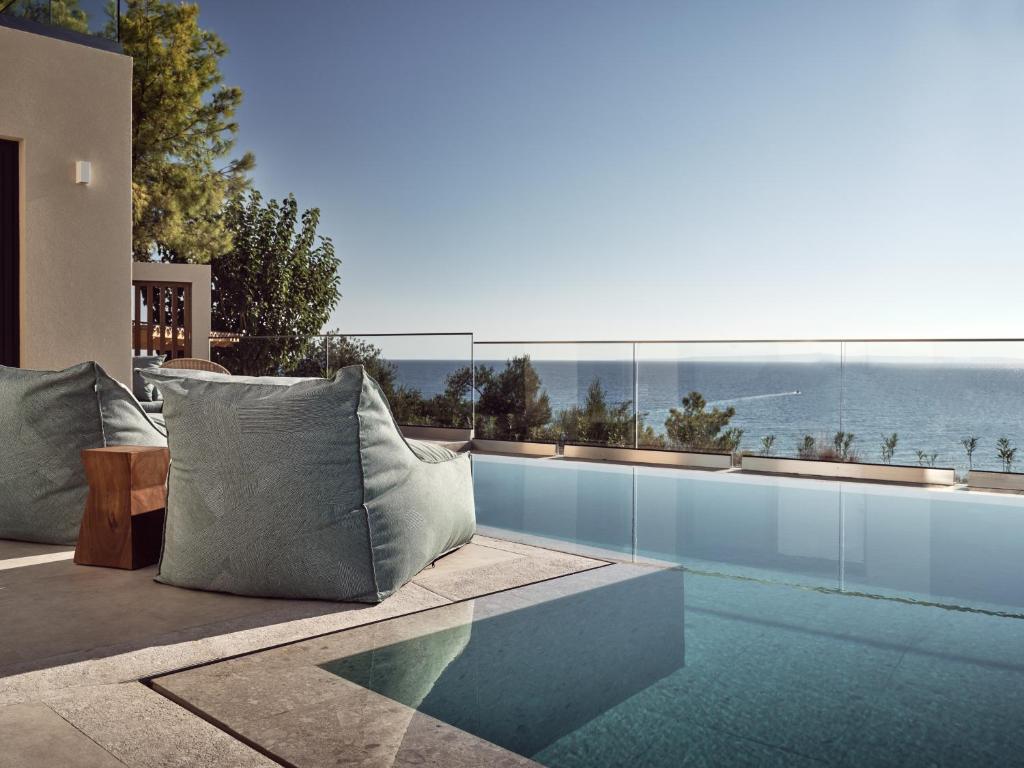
x: 364, y: 377
x: 163, y: 530
x: 99, y: 403
x: 373, y: 560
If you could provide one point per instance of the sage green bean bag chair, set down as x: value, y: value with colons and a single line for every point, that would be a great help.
x: 47, y: 418
x: 302, y: 489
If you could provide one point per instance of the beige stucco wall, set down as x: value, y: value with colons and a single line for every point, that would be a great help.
x: 199, y: 276
x: 65, y: 102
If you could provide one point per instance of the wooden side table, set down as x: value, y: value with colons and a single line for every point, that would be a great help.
x: 122, y: 526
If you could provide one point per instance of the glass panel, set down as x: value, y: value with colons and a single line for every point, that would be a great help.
x: 588, y: 508
x: 948, y: 403
x: 91, y: 17
x: 951, y: 548
x: 570, y: 393
x: 428, y: 379
x: 775, y: 399
x: 97, y: 16
x: 778, y: 529
x: 270, y: 355
x: 920, y: 545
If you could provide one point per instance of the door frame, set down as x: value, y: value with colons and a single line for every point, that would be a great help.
x: 10, y: 262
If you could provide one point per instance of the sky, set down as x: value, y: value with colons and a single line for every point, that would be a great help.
x: 589, y: 169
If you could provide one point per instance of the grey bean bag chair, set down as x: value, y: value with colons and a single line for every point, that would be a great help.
x: 303, y: 490
x: 47, y: 418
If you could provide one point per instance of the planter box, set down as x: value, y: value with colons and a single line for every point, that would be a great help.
x: 1000, y: 481
x: 646, y: 456
x: 885, y: 473
x: 443, y: 434
x: 513, y: 448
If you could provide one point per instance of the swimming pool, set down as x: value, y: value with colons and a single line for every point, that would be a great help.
x: 952, y: 547
x: 811, y: 623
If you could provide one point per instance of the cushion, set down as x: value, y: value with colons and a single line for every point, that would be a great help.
x: 144, y: 391
x: 156, y: 376
x: 305, y: 490
x: 47, y: 418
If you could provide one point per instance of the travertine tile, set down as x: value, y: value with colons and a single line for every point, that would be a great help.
x: 146, y: 730
x: 179, y: 649
x: 34, y: 736
x: 361, y: 728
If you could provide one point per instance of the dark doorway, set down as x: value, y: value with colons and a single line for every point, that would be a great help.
x: 10, y: 314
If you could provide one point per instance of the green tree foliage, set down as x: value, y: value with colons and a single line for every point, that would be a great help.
x: 278, y: 280
x: 59, y: 13
x: 182, y: 129
x: 889, y: 447
x: 970, y: 444
x: 326, y: 355
x: 454, y: 406
x: 841, y: 447
x: 599, y: 422
x: 512, y: 405
x: 767, y: 445
x: 1006, y: 453
x: 837, y: 448
x: 695, y: 428
x: 807, y: 448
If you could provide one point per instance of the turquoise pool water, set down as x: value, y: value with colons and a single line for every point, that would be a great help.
x: 811, y: 623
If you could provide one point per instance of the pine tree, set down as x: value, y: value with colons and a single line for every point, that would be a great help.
x: 182, y: 128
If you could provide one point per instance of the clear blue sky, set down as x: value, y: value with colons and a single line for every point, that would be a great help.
x: 595, y: 169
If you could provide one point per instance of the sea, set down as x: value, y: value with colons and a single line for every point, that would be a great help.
x: 931, y: 407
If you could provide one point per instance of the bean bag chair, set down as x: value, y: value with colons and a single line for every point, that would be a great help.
x: 302, y: 488
x: 47, y: 418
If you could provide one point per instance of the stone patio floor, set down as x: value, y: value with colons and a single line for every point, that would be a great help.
x: 76, y: 641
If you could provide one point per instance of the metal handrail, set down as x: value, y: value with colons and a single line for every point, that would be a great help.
x: 343, y: 335
x: 524, y: 342
x: 987, y: 340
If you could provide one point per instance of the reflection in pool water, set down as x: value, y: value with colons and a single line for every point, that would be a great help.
x: 527, y: 678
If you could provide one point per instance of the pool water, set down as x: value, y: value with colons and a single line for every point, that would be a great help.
x: 805, y: 623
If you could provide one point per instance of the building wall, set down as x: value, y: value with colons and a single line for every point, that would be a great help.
x: 66, y: 102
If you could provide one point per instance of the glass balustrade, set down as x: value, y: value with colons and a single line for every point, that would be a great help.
x: 578, y: 393
x: 932, y: 404
x: 935, y: 404
x: 428, y: 378
x: 95, y: 18
x: 771, y: 399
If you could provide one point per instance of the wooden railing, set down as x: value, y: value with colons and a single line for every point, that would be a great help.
x: 162, y: 323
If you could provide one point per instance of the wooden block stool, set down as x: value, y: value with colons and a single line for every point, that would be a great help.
x: 124, y: 515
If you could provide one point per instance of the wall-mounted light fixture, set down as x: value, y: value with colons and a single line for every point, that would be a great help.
x: 83, y: 172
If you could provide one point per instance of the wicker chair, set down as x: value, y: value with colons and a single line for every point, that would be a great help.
x: 195, y: 364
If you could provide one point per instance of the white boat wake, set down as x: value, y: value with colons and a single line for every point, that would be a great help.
x: 744, y: 398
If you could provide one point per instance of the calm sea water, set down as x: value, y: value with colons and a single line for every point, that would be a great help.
x: 931, y: 407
